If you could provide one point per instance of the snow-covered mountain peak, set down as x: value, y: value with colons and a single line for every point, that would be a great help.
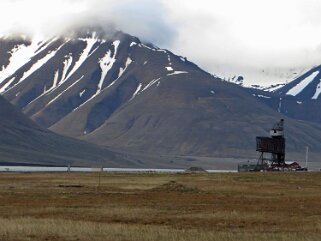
x: 305, y: 87
x: 87, y: 64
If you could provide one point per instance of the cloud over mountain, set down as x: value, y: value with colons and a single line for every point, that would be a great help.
x: 143, y: 18
x: 222, y: 36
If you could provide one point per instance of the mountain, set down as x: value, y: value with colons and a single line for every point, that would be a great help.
x: 114, y: 90
x: 299, y: 99
x: 23, y: 141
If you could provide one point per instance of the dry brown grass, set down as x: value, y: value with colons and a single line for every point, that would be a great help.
x: 138, y: 207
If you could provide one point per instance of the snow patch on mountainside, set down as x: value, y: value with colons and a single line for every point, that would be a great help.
x: 177, y: 72
x: 317, y: 92
x: 20, y: 55
x: 4, y: 88
x: 169, y: 59
x: 67, y: 65
x: 304, y: 83
x: 60, y: 94
x: 140, y: 88
x: 137, y: 91
x: 162, y: 50
x: 262, y: 96
x: 147, y: 47
x: 82, y: 93
x: 122, y: 70
x: 39, y: 64
x: 280, y: 106
x: 106, y: 64
x: 53, y: 87
x: 151, y: 84
x: 90, y: 42
x: 44, y: 45
x: 55, y: 81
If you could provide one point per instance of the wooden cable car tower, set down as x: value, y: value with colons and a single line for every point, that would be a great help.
x: 275, y: 145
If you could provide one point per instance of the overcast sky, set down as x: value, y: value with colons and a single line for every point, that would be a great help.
x: 221, y: 36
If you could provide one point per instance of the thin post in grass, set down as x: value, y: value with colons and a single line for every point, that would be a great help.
x: 99, y: 177
x: 100, y: 170
x: 306, y: 157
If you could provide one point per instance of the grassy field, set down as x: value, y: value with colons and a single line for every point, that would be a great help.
x: 162, y: 207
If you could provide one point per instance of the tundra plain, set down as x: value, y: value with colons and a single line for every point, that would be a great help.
x: 162, y: 207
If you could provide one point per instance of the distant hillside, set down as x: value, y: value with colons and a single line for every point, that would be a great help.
x: 22, y: 141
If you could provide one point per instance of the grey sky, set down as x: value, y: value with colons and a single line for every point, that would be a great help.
x: 222, y: 36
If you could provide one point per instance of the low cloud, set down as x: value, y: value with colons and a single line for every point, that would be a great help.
x: 239, y: 37
x: 222, y: 36
x: 144, y: 18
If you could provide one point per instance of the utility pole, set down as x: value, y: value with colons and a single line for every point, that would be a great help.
x: 306, y: 157
x: 100, y: 171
